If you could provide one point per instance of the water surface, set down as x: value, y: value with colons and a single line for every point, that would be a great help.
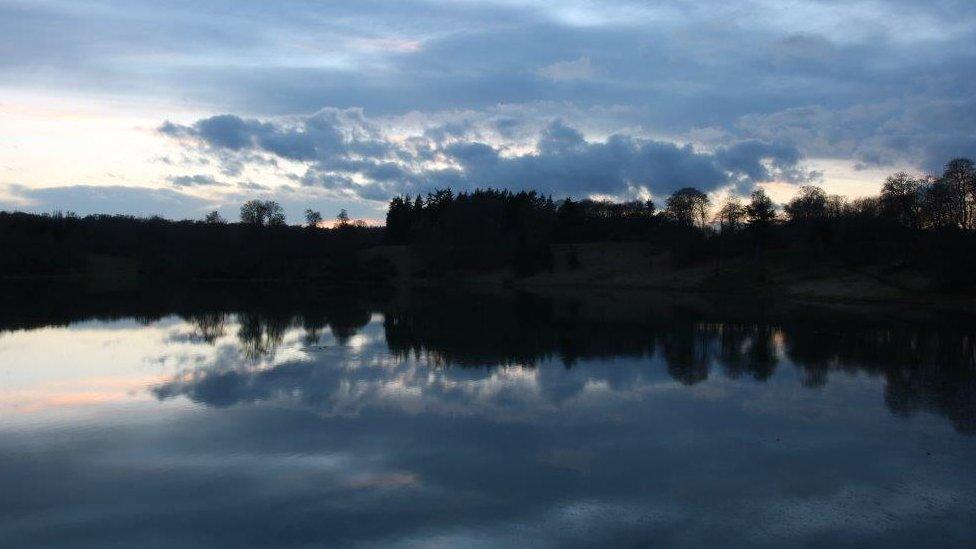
x: 235, y: 417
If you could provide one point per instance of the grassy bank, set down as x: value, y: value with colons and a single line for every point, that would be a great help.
x: 641, y: 266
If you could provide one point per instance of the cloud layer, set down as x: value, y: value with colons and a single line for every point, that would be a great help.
x: 342, y: 151
x: 415, y: 94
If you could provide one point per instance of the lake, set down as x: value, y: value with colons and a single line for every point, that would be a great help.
x: 245, y: 416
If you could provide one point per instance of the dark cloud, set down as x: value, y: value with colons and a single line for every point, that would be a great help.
x: 566, y: 164
x: 563, y: 163
x: 198, y: 180
x: 926, y: 132
x: 674, y: 66
x: 314, y: 137
x: 756, y: 161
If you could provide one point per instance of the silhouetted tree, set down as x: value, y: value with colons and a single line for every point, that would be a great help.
x: 570, y: 221
x: 959, y: 180
x: 399, y: 221
x: 731, y: 215
x: 865, y: 208
x: 938, y: 205
x: 253, y: 212
x: 901, y: 199
x: 760, y: 211
x: 214, y: 218
x: 688, y: 206
x: 277, y: 216
x: 312, y: 218
x: 46, y: 245
x: 809, y: 205
x: 760, y: 214
x: 922, y: 223
x: 262, y: 213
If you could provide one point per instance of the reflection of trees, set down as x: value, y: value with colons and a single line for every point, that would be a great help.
x: 473, y: 330
x: 261, y: 334
x: 343, y: 319
x: 525, y: 329
x: 208, y: 326
x: 950, y: 393
x: 927, y: 366
x: 733, y: 339
x: 762, y: 352
x: 36, y: 304
x: 686, y: 352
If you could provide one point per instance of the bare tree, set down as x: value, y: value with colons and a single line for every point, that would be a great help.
x: 214, y: 218
x: 262, y: 213
x: 731, y: 215
x: 688, y: 206
x: 312, y: 218
x: 810, y: 204
x: 901, y: 199
x: 959, y: 180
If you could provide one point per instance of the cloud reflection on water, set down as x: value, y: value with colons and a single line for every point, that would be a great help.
x: 561, y: 425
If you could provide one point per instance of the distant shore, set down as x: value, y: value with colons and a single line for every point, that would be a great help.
x: 583, y: 267
x: 638, y: 266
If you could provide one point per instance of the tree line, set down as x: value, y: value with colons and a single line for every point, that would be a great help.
x: 928, y: 220
x: 927, y: 202
x: 261, y: 245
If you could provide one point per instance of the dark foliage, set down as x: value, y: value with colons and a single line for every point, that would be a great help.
x: 926, y: 223
x: 491, y: 228
x: 928, y: 365
x: 58, y: 245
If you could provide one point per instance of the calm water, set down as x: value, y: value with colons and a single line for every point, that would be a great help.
x: 230, y: 417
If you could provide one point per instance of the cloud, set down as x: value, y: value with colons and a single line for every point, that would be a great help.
x: 92, y: 199
x: 349, y: 155
x: 835, y: 81
x: 580, y: 69
x: 252, y: 186
x: 198, y: 180
x: 676, y: 66
x: 926, y: 132
x: 758, y: 161
x: 325, y: 134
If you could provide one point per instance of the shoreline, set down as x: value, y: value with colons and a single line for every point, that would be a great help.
x: 924, y: 300
x: 638, y: 267
x: 836, y: 288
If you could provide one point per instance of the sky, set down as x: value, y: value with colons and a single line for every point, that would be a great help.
x: 176, y: 108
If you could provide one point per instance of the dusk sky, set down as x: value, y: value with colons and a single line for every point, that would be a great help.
x: 177, y: 108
